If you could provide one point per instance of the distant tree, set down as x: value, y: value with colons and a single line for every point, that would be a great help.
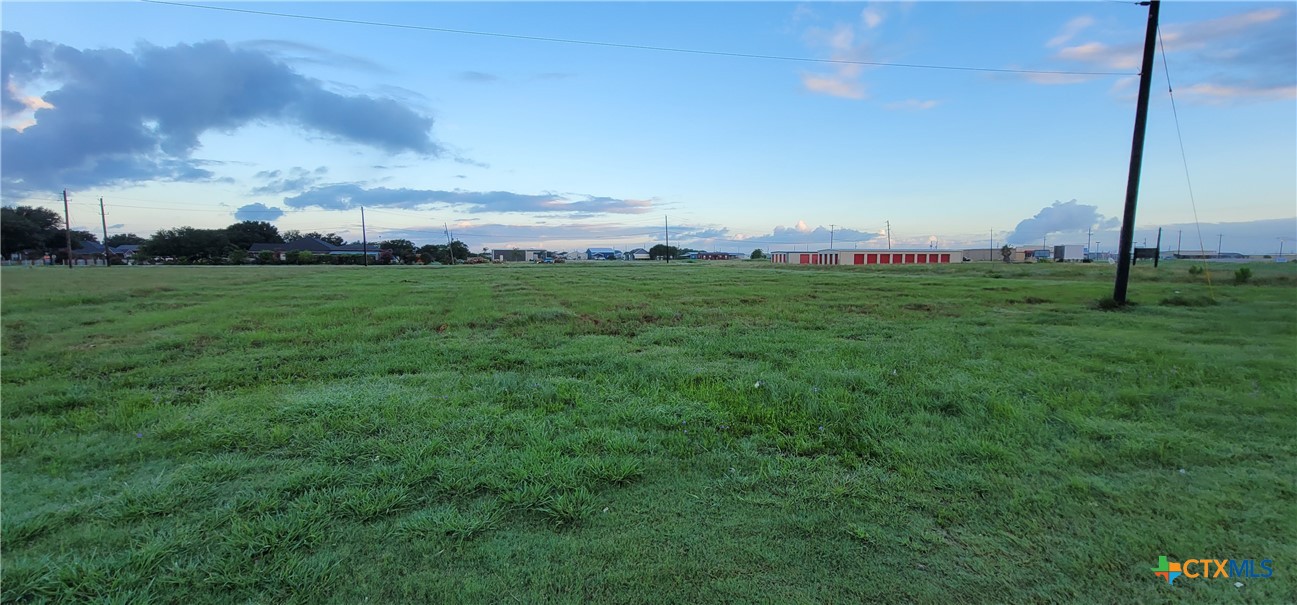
x: 29, y: 227
x: 385, y: 257
x: 758, y: 254
x: 246, y: 233
x: 459, y: 250
x: 123, y: 239
x: 238, y: 255
x: 333, y: 238
x: 434, y: 253
x: 292, y: 235
x: 662, y: 250
x: 401, y: 248
x: 265, y: 257
x: 1007, y: 253
x: 188, y: 243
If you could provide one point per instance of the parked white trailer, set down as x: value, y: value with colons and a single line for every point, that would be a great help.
x: 1072, y: 253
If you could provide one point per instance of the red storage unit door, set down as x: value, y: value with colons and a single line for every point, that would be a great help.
x: 923, y: 259
x: 909, y: 258
x: 805, y: 259
x: 860, y: 259
x: 815, y: 259
x: 896, y: 259
x: 871, y: 259
x: 884, y: 259
x: 945, y: 258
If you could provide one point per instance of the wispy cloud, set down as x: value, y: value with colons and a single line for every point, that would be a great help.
x: 843, y: 80
x: 872, y: 16
x: 1250, y: 55
x: 289, y: 51
x: 913, y: 105
x: 295, y: 179
x: 1070, y: 30
x: 477, y: 76
x: 345, y: 196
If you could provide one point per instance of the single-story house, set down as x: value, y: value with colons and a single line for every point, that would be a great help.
x: 314, y: 246
x: 602, y: 254
x: 638, y: 254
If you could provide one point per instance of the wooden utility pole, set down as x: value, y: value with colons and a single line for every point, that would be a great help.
x: 450, y: 252
x: 666, y: 228
x: 364, y: 238
x: 831, y: 228
x: 1136, y: 157
x: 103, y: 220
x: 1159, y: 248
x: 889, y: 235
x: 67, y: 227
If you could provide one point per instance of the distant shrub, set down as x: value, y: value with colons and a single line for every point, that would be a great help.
x: 1034, y: 300
x: 1242, y: 275
x: 1195, y: 270
x: 1180, y: 300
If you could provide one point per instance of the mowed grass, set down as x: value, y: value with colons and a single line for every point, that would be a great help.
x: 644, y: 433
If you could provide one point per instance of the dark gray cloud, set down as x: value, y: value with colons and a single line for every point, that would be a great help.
x: 1060, y: 218
x: 295, y: 179
x: 117, y: 226
x: 477, y: 76
x: 258, y: 211
x: 120, y: 116
x: 19, y: 63
x: 345, y: 196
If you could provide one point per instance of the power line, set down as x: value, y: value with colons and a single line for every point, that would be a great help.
x: 1184, y: 158
x: 691, y: 51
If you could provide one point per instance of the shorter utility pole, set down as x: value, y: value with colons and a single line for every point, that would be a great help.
x: 364, y: 238
x: 666, y: 229
x: 1088, y: 232
x: 992, y: 255
x: 889, y: 235
x: 1220, y: 237
x: 831, y: 228
x: 1178, y: 235
x: 67, y: 227
x: 450, y: 250
x: 104, y: 221
x: 1158, y: 256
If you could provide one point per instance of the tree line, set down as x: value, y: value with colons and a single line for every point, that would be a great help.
x: 37, y: 232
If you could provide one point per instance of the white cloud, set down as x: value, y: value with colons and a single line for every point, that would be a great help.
x: 844, y: 79
x: 1070, y: 30
x: 834, y: 86
x: 872, y: 17
x: 1115, y: 57
x: 1219, y: 93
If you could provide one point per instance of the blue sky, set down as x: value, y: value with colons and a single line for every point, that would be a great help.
x: 185, y: 116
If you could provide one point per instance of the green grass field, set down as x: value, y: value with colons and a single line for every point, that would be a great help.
x: 615, y: 433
